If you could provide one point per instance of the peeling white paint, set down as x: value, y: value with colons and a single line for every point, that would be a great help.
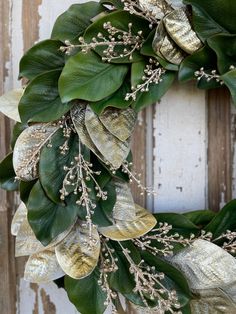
x: 180, y: 151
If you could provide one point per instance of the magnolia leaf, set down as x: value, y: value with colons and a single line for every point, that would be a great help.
x: 87, y: 77
x: 43, y: 267
x: 73, y: 22
x: 123, y: 230
x: 229, y: 79
x: 9, y: 104
x: 213, y: 17
x: 86, y: 294
x: 116, y: 100
x: 42, y: 57
x: 111, y: 148
x: 155, y: 93
x: 7, y: 174
x: 179, y: 28
x: 18, y: 218
x: 17, y: 130
x: 78, y: 253
x: 124, y: 208
x: 41, y: 101
x: 52, y: 163
x: 47, y: 219
x: 27, y: 149
x: 224, y: 46
x: 120, y: 123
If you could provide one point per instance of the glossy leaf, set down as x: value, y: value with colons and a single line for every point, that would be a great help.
x: 48, y: 219
x: 72, y: 23
x: 225, y: 48
x: 116, y: 100
x: 7, y: 174
x: 156, y: 91
x: 147, y: 49
x: 224, y: 220
x: 230, y: 81
x: 120, y: 20
x: 25, y: 189
x: 9, y: 103
x: 204, y: 57
x: 200, y: 217
x: 52, y: 162
x: 41, y: 58
x: 41, y: 101
x: 86, y: 294
x: 213, y: 16
x: 87, y: 77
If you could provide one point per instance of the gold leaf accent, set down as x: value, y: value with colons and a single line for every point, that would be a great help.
x: 19, y: 216
x: 124, y: 208
x: 112, y: 149
x: 78, y: 119
x: 43, y: 267
x: 9, y: 104
x: 124, y: 230
x: 119, y: 122
x: 165, y: 47
x: 74, y: 254
x: 27, y: 149
x: 180, y: 29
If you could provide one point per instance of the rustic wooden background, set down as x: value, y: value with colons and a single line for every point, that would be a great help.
x: 184, y: 147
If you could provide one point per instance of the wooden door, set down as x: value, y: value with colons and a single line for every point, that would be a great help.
x: 186, y: 150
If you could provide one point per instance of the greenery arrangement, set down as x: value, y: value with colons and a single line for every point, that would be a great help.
x: 71, y: 157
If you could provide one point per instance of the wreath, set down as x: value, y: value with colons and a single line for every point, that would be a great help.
x: 72, y: 165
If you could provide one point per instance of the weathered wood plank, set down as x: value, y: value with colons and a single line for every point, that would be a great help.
x: 180, y: 150
x: 219, y: 148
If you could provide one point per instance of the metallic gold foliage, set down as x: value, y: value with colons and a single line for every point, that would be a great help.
x: 124, y: 208
x: 123, y: 230
x: 112, y: 149
x: 78, y: 253
x: 119, y: 122
x: 27, y: 149
x: 9, y: 104
x: 180, y: 29
x: 19, y: 216
x: 43, y: 267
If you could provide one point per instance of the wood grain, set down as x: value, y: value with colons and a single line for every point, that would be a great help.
x: 219, y: 148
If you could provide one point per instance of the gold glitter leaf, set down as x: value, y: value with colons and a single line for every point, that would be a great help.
x: 112, y: 149
x: 180, y: 30
x: 27, y: 149
x: 124, y: 208
x: 124, y: 230
x: 19, y: 216
x: 78, y: 253
x: 43, y: 267
x: 9, y: 104
x: 119, y: 122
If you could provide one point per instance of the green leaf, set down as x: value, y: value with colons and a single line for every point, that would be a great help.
x: 48, y: 219
x: 86, y: 294
x: 200, y: 217
x: 167, y: 65
x: 116, y: 100
x: 116, y: 3
x: 156, y: 91
x: 225, y: 47
x: 41, y: 58
x: 52, y: 162
x: 204, y: 57
x: 180, y: 282
x: 72, y: 23
x: 224, y: 220
x: 17, y: 130
x: 213, y: 16
x: 87, y: 77
x: 137, y: 72
x: 25, y: 189
x: 230, y: 81
x: 41, y: 101
x: 147, y: 49
x: 7, y: 174
x: 120, y: 20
